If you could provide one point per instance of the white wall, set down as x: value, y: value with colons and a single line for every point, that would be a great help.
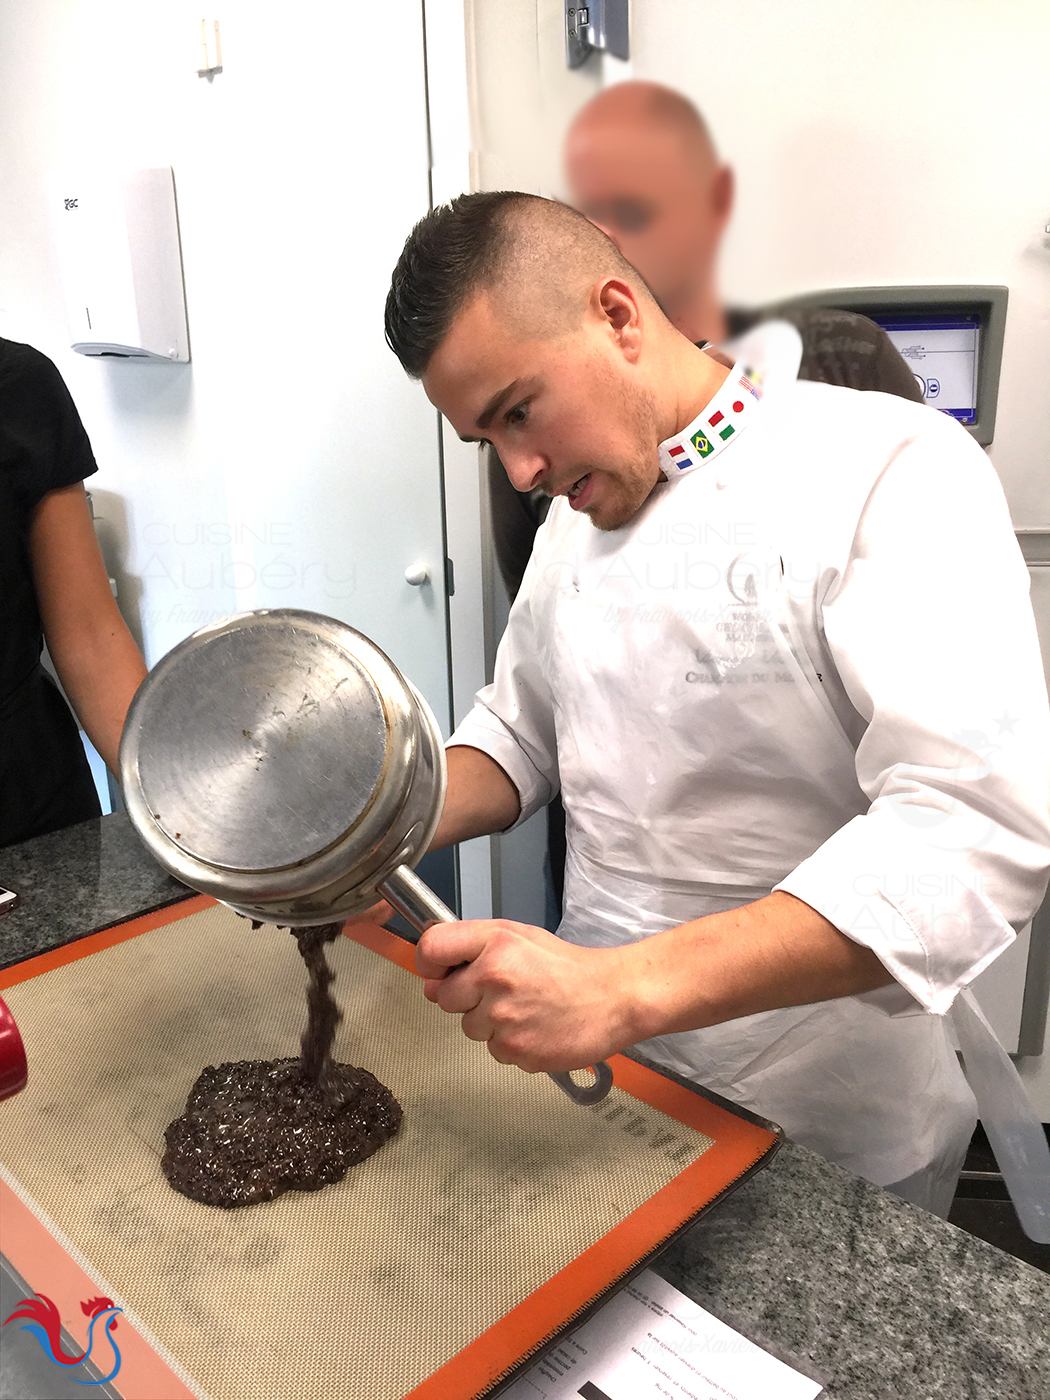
x: 523, y: 96
x: 880, y: 143
x: 291, y: 463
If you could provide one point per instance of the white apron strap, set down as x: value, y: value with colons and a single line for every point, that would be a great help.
x: 1014, y: 1131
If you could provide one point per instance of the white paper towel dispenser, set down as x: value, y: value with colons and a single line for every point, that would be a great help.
x: 118, y: 246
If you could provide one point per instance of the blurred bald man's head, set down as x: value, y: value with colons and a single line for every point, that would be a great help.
x: 641, y: 165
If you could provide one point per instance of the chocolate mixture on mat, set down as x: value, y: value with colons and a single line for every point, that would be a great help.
x: 255, y: 1129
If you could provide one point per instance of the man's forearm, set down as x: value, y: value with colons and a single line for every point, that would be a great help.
x: 773, y: 953
x: 480, y: 799
x: 543, y: 1003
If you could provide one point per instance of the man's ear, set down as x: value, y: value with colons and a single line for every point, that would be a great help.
x: 723, y: 189
x: 617, y: 307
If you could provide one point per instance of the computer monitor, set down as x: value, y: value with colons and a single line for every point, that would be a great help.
x: 950, y: 337
x: 941, y: 351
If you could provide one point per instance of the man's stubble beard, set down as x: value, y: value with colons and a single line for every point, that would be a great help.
x: 637, y: 478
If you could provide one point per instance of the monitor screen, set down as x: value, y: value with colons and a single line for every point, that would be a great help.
x: 941, y: 351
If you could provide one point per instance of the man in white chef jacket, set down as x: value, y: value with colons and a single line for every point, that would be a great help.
x: 775, y: 647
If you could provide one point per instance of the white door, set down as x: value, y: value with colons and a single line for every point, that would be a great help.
x: 291, y: 463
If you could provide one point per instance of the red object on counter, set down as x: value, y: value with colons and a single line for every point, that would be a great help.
x: 13, y: 1068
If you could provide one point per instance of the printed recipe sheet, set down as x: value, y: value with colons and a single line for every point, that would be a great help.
x: 650, y: 1342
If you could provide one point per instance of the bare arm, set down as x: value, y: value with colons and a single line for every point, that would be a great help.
x: 542, y: 1003
x: 775, y: 952
x: 94, y: 653
x: 480, y: 798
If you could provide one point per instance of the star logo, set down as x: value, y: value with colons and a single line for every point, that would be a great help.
x: 1006, y: 723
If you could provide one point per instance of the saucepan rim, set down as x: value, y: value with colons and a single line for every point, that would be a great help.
x: 394, y: 827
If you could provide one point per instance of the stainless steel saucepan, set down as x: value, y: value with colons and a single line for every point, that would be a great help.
x: 279, y: 762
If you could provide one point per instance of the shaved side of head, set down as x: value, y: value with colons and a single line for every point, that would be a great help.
x: 536, y: 258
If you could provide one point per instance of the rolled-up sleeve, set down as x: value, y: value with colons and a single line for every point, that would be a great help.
x: 513, y: 719
x: 930, y: 626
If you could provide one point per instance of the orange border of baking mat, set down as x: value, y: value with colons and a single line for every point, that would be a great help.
x: 739, y: 1145
x: 49, y: 1268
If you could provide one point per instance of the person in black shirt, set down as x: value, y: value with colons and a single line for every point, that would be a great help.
x: 53, y: 586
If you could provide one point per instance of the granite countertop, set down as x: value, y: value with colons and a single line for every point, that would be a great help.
x: 864, y: 1292
x: 861, y: 1291
x: 77, y: 881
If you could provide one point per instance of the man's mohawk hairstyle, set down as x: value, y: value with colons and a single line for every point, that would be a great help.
x: 452, y: 252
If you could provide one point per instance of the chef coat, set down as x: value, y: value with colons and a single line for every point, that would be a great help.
x: 808, y: 664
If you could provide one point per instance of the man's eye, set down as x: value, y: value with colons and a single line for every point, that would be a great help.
x: 517, y: 415
x: 631, y: 215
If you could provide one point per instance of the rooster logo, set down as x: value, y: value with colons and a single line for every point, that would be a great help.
x: 46, y: 1326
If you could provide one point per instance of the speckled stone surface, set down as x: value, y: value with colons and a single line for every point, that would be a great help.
x: 74, y: 882
x: 871, y: 1296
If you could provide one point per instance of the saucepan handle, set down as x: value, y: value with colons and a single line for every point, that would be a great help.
x: 415, y: 902
x: 420, y: 906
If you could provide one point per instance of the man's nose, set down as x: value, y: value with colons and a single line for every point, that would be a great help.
x: 525, y: 469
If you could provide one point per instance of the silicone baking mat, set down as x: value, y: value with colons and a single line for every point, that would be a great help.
x: 499, y: 1211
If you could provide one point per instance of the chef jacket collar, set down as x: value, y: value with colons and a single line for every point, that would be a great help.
x: 766, y: 359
